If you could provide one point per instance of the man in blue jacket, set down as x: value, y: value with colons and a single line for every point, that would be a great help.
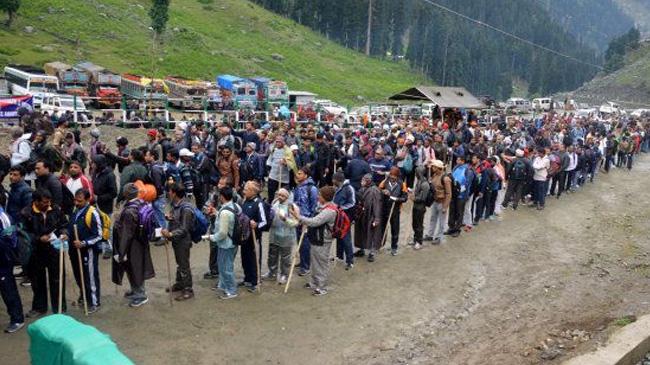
x: 306, y: 198
x: 20, y: 194
x: 344, y: 198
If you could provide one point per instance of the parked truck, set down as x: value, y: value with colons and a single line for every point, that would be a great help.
x: 271, y: 93
x: 186, y: 94
x: 237, y: 92
x: 140, y: 89
x: 71, y: 81
x: 104, y: 86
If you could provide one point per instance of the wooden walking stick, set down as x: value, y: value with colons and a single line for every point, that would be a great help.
x: 169, y: 274
x: 390, y: 215
x: 257, y: 262
x: 61, y: 268
x: 293, y: 260
x: 81, y: 271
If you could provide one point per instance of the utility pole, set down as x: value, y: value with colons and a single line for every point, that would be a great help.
x: 369, y: 33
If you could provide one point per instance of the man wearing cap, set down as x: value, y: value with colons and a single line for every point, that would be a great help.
x: 442, y: 189
x: 153, y: 144
x: 187, y: 172
x: 344, y: 198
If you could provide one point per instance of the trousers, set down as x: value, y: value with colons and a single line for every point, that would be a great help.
x: 183, y: 271
x: 419, y: 210
x: 90, y: 264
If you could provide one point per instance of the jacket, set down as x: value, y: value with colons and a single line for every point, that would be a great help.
x: 306, y: 198
x: 323, y: 223
x: 422, y: 187
x: 355, y: 170
x: 127, y: 242
x: 131, y: 173
x: 345, y: 197
x: 37, y: 224
x: 229, y: 167
x: 283, y: 226
x: 20, y: 196
x: 105, y: 190
x: 224, y: 226
x: 251, y: 168
x: 53, y: 186
x: 181, y: 224
x: 89, y: 235
x: 396, y: 192
x: 254, y: 209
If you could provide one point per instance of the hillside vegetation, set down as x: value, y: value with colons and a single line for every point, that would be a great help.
x: 204, y: 38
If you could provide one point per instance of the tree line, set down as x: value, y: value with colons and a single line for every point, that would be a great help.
x: 448, y: 49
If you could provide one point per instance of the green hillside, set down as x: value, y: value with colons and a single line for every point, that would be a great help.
x: 203, y: 38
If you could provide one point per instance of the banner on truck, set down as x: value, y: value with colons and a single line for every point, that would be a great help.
x: 9, y: 105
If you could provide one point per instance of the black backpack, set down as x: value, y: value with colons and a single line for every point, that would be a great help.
x: 431, y: 196
x: 518, y: 170
x: 242, y: 230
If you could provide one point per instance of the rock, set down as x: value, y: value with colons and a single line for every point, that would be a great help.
x: 550, y: 354
x: 176, y: 29
x: 47, y: 48
x: 51, y: 10
x: 41, y: 18
x: 256, y: 60
x: 103, y: 15
x: 277, y: 57
x: 29, y: 29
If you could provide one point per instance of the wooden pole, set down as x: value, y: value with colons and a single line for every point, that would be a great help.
x: 81, y: 271
x: 61, y: 268
x: 293, y: 260
x: 383, y: 240
x: 257, y: 262
x: 169, y: 275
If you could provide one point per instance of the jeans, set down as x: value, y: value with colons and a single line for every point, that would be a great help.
x: 437, y: 222
x: 158, y: 206
x: 226, y: 260
x: 9, y: 293
x: 344, y: 247
x: 541, y: 187
x: 213, y: 265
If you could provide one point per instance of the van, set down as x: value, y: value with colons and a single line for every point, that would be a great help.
x: 543, y: 104
x: 518, y: 105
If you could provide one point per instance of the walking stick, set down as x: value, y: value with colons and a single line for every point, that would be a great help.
x: 383, y: 240
x: 81, y: 271
x: 293, y: 261
x: 61, y: 268
x: 169, y: 274
x: 257, y: 262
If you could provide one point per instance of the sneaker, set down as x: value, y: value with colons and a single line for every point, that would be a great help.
x: 371, y: 258
x: 227, y: 296
x: 360, y: 253
x: 319, y: 292
x: 308, y: 286
x: 107, y: 254
x: 349, y: 267
x: 92, y: 309
x: 210, y: 275
x: 185, y: 295
x: 26, y: 282
x: 541, y: 207
x: 304, y: 272
x: 128, y: 294
x: 14, y: 327
x: 34, y: 314
x: 427, y: 238
x: 244, y: 283
x: 282, y: 280
x: 455, y: 234
x: 417, y: 246
x: 269, y: 276
x: 411, y: 243
x: 138, y: 302
x: 393, y: 252
x: 436, y: 241
x: 175, y: 288
x: 252, y: 289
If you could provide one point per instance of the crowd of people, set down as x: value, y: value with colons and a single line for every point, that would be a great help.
x: 300, y: 185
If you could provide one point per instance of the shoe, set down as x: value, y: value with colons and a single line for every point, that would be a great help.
x: 138, y: 302
x: 308, y: 286
x: 175, y: 288
x: 304, y: 272
x: 107, y: 254
x: 269, y: 276
x: 128, y: 294
x: 319, y: 292
x: 282, y: 280
x: 185, y: 295
x: 159, y: 243
x: 14, y: 327
x: 244, y: 283
x: 427, y: 238
x: 436, y: 241
x: 360, y: 253
x: 393, y: 252
x: 455, y: 234
x: 26, y: 283
x: 411, y: 243
x: 210, y: 275
x: 35, y: 314
x: 475, y: 223
x: 349, y: 267
x: 371, y: 258
x: 92, y: 309
x: 448, y: 233
x: 227, y: 296
x: 417, y: 246
x: 541, y: 207
x: 252, y: 289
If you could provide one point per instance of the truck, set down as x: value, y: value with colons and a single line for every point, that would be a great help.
x: 271, y: 93
x: 103, y: 85
x: 71, y: 81
x: 237, y: 92
x: 151, y: 92
x: 186, y: 94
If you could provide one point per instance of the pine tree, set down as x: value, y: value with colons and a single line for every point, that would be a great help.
x: 11, y: 8
x: 159, y: 14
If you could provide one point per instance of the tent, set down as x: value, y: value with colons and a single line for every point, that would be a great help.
x: 443, y: 97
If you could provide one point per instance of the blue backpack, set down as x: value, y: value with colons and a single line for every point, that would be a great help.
x: 460, y: 182
x: 201, y: 223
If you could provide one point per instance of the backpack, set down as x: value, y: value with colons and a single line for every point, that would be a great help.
x: 460, y: 182
x: 555, y: 164
x: 242, y: 230
x: 518, y: 170
x: 147, y: 222
x: 407, y: 164
x: 105, y: 219
x: 30, y: 164
x: 9, y: 239
x: 201, y: 223
x: 431, y: 196
x: 268, y: 213
x: 341, y: 226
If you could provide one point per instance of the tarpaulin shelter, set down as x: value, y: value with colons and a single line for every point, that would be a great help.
x: 443, y: 97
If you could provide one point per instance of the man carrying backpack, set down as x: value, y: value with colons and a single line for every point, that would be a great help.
x: 222, y: 236
x: 518, y: 173
x: 463, y: 177
x: 181, y: 223
x: 305, y: 197
x: 442, y: 191
x: 157, y: 177
x: 253, y: 207
x: 8, y: 288
x: 419, y: 197
x: 132, y: 255
x: 345, y: 198
x: 85, y: 232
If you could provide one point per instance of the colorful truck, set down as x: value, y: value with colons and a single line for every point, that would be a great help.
x: 104, y: 85
x: 71, y: 81
x: 143, y: 89
x: 186, y: 94
x: 271, y: 93
x: 237, y: 92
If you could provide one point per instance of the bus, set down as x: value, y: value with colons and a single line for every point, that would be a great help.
x: 25, y: 80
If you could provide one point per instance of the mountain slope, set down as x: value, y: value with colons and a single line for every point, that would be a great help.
x: 639, y: 10
x: 204, y: 38
x: 630, y: 85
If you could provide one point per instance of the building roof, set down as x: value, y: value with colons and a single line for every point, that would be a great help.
x: 444, y: 97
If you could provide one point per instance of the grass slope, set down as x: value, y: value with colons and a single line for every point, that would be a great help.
x: 204, y: 38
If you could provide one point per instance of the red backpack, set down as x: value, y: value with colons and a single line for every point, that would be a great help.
x: 341, y: 225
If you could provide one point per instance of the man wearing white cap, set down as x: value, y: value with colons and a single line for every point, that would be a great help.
x: 519, y: 172
x: 188, y: 176
x: 441, y: 199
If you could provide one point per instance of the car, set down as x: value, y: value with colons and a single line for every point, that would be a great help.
x: 331, y: 107
x: 61, y: 103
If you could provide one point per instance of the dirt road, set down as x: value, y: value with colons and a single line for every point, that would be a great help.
x: 489, y: 297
